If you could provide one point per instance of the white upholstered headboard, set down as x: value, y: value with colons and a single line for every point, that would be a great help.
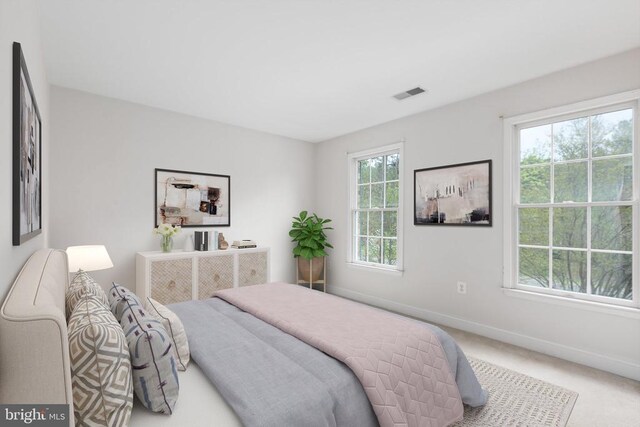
x: 34, y: 348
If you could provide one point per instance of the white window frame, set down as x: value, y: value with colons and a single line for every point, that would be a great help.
x: 630, y: 99
x: 353, y: 159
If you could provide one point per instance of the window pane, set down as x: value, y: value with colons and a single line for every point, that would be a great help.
x: 534, y: 267
x: 534, y: 184
x: 612, y: 179
x: 377, y: 195
x: 389, y: 255
x: 570, y: 182
x: 363, y: 196
x: 374, y: 250
x: 363, y: 171
x: 375, y: 220
x: 390, y: 224
x: 578, y: 161
x: 570, y: 270
x: 535, y: 145
x: 377, y: 169
x: 391, y: 196
x: 375, y: 223
x: 570, y: 227
x: 612, y: 133
x: 571, y: 139
x: 393, y: 169
x: 362, y: 223
x: 534, y: 226
x: 611, y: 228
x: 611, y: 275
x: 362, y: 249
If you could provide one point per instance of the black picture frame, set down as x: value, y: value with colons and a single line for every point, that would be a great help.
x: 215, y: 198
x: 465, y: 190
x: 27, y: 154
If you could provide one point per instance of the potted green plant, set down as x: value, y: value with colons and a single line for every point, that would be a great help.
x: 308, y: 232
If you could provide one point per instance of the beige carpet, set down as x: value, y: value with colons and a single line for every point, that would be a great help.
x: 518, y: 400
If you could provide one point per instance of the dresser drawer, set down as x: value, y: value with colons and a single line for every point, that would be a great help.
x: 171, y: 280
x: 214, y: 273
x: 252, y: 268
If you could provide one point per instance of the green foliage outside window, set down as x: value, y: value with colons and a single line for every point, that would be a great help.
x: 376, y: 217
x: 554, y: 168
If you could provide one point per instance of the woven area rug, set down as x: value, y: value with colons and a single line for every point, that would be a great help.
x: 517, y: 400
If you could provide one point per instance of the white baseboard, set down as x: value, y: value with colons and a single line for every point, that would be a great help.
x: 572, y: 354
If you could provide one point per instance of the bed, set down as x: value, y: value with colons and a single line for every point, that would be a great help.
x: 36, y: 369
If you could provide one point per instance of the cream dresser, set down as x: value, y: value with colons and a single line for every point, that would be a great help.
x: 182, y: 276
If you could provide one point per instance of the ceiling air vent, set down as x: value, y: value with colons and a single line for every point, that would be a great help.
x: 408, y: 94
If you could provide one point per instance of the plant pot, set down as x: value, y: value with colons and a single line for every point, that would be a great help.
x: 305, y: 265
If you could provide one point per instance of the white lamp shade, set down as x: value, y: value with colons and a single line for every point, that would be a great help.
x: 88, y: 258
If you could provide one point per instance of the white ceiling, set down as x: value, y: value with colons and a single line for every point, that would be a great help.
x: 316, y: 69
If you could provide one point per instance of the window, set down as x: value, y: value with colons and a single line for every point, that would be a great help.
x: 375, y: 207
x: 573, y: 217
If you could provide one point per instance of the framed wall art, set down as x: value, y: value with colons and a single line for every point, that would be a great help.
x: 457, y: 194
x: 192, y: 199
x: 27, y: 154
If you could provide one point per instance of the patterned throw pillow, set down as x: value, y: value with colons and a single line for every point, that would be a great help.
x: 155, y: 374
x: 120, y: 299
x: 100, y: 366
x: 173, y: 326
x: 80, y: 285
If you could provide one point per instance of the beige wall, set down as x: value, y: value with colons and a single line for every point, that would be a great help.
x: 436, y: 258
x: 19, y: 23
x: 102, y: 178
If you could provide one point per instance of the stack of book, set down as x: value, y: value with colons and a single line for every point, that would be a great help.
x: 243, y: 244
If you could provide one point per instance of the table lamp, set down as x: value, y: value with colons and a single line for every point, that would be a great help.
x: 87, y: 258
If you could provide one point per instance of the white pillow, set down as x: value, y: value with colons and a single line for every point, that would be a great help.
x: 174, y: 327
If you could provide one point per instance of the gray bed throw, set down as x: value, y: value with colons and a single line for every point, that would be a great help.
x: 268, y: 377
x: 271, y: 378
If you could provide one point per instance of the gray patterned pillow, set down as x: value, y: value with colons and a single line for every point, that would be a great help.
x: 120, y: 299
x: 155, y: 374
x: 100, y: 366
x: 80, y: 285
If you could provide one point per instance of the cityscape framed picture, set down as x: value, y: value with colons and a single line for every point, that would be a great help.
x: 458, y: 194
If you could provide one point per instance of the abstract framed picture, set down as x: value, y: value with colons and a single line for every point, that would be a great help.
x: 27, y: 154
x: 192, y: 199
x: 457, y: 194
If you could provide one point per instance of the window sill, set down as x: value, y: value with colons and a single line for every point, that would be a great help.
x: 630, y: 312
x: 391, y: 271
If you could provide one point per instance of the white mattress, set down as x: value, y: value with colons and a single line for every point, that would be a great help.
x: 199, y: 404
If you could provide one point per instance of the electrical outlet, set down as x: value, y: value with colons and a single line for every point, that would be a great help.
x: 462, y: 287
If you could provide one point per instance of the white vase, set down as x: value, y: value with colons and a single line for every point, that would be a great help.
x: 188, y: 244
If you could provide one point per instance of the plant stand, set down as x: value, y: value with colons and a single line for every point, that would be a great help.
x: 309, y: 281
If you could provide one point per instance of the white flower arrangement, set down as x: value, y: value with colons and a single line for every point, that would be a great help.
x: 167, y: 230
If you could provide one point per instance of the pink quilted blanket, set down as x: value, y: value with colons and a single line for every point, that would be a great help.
x: 399, y: 362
